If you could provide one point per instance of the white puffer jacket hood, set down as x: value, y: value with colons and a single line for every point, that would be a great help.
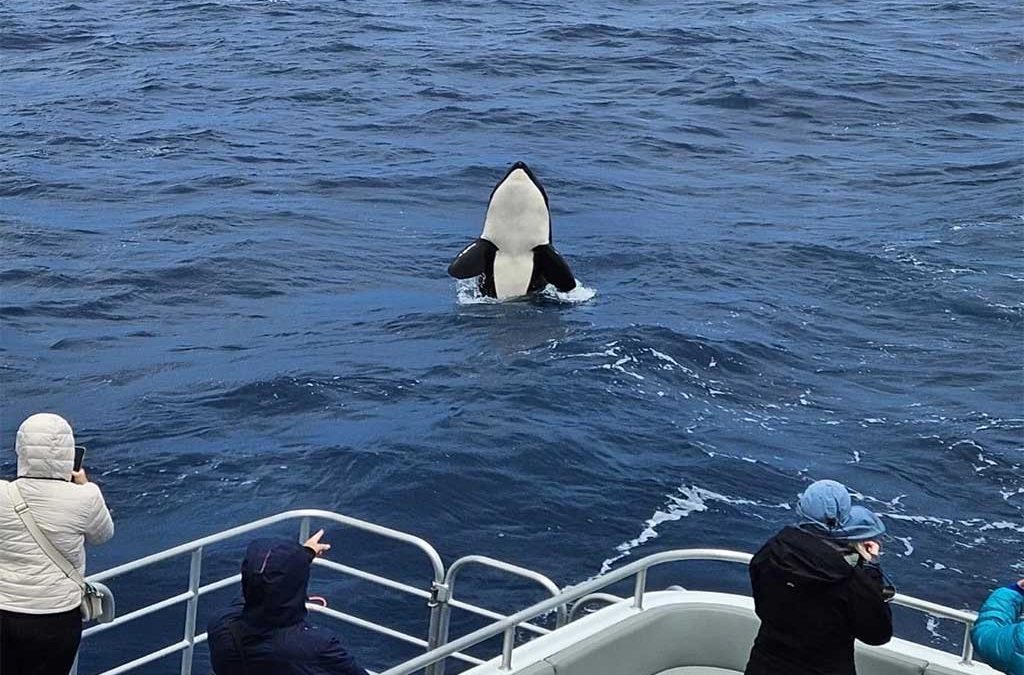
x: 45, y: 447
x: 68, y: 514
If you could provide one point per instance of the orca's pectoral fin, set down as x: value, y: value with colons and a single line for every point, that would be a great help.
x: 472, y: 262
x: 554, y: 268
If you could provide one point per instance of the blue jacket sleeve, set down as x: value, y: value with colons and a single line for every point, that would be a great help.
x: 998, y: 635
x: 335, y: 660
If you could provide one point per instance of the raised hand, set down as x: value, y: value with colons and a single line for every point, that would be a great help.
x: 313, y: 543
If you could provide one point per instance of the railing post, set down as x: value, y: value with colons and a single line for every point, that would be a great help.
x: 304, y: 530
x: 194, y: 576
x: 506, y: 648
x: 437, y: 632
x: 967, y: 653
x: 638, y: 590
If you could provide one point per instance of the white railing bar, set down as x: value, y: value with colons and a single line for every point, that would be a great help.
x: 399, y: 586
x: 148, y: 658
x: 927, y: 607
x: 137, y: 614
x: 390, y: 632
x: 166, y: 651
x: 503, y: 566
x: 370, y: 576
x: 413, y: 540
x: 163, y: 604
x: 459, y: 604
x: 367, y: 624
x: 217, y: 585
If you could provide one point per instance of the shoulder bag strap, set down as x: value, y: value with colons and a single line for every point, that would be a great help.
x: 21, y: 508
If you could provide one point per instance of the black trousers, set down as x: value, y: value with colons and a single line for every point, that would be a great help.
x: 39, y: 644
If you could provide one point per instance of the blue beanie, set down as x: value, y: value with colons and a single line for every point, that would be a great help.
x: 826, y: 507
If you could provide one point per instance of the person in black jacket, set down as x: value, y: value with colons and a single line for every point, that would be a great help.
x: 818, y: 587
x: 268, y: 633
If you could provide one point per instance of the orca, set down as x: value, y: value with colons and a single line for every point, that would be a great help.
x: 513, y: 256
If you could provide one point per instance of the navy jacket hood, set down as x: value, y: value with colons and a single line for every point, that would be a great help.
x: 275, y: 576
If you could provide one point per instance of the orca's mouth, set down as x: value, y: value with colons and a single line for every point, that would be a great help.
x: 522, y: 166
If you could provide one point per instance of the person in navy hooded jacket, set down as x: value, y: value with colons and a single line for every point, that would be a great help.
x: 268, y: 635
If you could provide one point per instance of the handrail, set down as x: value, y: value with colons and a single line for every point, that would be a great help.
x: 422, y: 544
x: 438, y: 597
x: 638, y: 568
x: 195, y: 549
x: 502, y: 566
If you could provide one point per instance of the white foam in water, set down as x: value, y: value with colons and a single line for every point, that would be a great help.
x: 1002, y: 525
x: 932, y: 624
x: 576, y: 296
x: 690, y: 499
x: 1006, y: 494
x: 908, y: 547
x: 467, y: 292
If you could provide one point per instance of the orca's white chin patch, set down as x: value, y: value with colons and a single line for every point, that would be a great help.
x: 512, y: 274
x: 517, y: 218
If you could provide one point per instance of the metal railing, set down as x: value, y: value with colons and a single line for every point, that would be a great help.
x: 437, y: 595
x: 590, y: 590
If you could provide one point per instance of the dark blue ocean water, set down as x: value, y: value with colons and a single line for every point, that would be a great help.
x: 225, y: 227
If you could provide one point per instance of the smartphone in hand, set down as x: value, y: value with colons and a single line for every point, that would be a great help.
x: 79, y: 456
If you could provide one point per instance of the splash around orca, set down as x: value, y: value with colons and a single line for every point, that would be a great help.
x: 513, y: 256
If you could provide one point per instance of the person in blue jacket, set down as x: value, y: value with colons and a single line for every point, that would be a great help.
x: 268, y: 633
x: 998, y: 635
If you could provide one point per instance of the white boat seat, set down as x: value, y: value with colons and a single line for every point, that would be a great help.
x: 701, y: 638
x: 694, y: 638
x: 939, y: 669
x: 539, y: 668
x: 878, y: 662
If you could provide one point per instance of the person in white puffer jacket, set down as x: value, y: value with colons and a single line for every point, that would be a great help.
x: 40, y: 620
